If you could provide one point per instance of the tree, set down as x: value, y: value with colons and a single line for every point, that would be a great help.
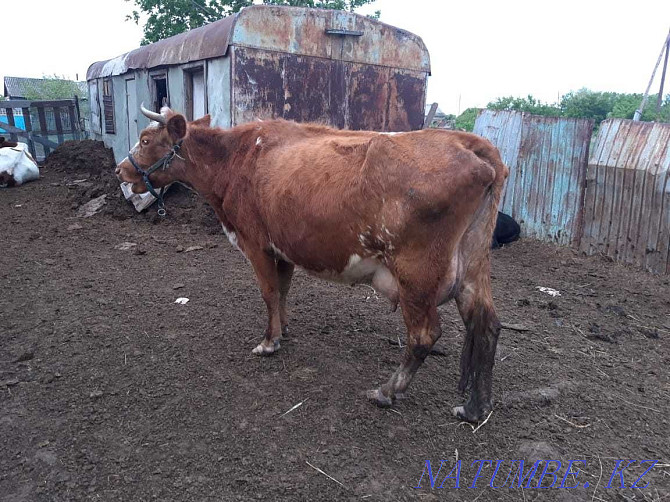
x: 528, y: 104
x: 585, y: 103
x: 466, y: 120
x: 625, y: 105
x: 171, y: 17
x: 53, y: 87
x: 588, y: 104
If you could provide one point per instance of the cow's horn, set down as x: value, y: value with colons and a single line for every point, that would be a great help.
x: 152, y: 115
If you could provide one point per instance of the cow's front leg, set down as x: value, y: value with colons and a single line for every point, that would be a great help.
x: 285, y: 273
x: 267, y: 275
x: 423, y: 330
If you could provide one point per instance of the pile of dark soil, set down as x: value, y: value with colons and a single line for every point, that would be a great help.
x: 86, y: 156
x: 88, y: 168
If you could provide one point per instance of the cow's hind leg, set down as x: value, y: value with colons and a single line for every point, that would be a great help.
x: 475, y: 304
x: 285, y: 274
x: 423, y: 330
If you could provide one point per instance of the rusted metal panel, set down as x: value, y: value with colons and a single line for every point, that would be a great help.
x: 303, y: 31
x: 293, y: 30
x: 547, y: 159
x: 627, y: 201
x: 268, y: 84
x: 407, y: 100
x: 206, y: 42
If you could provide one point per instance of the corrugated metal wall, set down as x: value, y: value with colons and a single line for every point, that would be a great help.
x: 627, y: 201
x: 547, y: 158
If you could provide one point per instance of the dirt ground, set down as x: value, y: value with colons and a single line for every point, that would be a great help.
x: 109, y: 390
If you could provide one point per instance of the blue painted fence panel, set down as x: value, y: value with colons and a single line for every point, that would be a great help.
x: 547, y: 158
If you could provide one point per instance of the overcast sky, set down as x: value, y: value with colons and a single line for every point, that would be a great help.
x: 480, y: 50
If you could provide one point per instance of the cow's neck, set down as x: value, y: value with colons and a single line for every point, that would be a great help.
x: 210, y: 157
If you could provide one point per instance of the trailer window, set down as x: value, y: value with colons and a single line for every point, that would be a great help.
x: 108, y: 105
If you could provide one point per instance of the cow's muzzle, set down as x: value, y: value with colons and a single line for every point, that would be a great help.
x: 162, y: 163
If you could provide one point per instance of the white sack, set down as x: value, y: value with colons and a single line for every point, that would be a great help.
x: 17, y: 163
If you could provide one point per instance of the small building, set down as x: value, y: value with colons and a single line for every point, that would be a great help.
x: 302, y: 64
x: 39, y: 88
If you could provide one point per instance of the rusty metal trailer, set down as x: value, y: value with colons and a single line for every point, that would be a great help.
x: 303, y: 64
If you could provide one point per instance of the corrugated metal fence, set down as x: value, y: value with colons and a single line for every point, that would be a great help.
x: 617, y: 205
x: 627, y: 202
x: 547, y: 159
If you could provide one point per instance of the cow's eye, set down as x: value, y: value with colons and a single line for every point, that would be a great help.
x: 145, y: 141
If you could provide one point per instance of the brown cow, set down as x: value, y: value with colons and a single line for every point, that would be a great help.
x: 410, y: 213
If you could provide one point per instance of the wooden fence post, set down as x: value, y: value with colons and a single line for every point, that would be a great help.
x: 10, y: 121
x: 29, y: 129
x: 44, y: 129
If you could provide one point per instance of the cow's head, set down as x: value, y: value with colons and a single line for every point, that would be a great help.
x: 157, y: 141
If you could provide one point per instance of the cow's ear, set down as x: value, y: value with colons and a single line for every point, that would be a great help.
x: 203, y: 121
x: 176, y: 127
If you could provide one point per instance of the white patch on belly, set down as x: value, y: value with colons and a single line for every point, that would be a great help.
x: 258, y: 141
x: 360, y: 271
x: 390, y: 133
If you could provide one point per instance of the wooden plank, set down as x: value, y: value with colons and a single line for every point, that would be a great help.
x: 12, y: 123
x: 53, y: 102
x: 74, y: 123
x: 59, y: 124
x: 29, y: 127
x: 431, y: 114
x: 45, y: 142
x: 12, y: 130
x: 43, y: 128
x: 15, y: 103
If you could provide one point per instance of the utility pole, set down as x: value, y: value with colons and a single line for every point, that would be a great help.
x: 659, y: 101
x: 638, y: 112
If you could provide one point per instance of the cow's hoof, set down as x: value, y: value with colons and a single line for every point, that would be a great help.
x: 263, y: 350
x: 378, y: 397
x: 463, y: 413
